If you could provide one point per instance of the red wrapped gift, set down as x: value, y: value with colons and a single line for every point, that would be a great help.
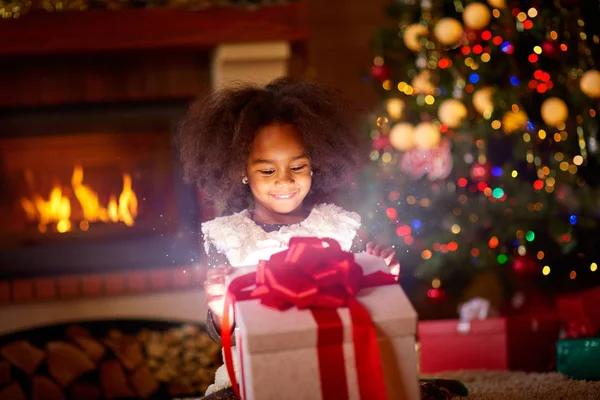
x: 326, y: 323
x: 580, y: 313
x: 524, y: 343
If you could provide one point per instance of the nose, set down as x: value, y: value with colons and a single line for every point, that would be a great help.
x: 284, y: 178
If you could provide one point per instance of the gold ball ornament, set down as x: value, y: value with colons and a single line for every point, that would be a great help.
x: 395, y: 108
x: 513, y: 121
x: 554, y: 111
x: 402, y: 136
x: 448, y: 31
x: 421, y: 83
x: 477, y: 16
x: 452, y: 113
x: 497, y: 3
x: 482, y: 101
x: 412, y: 35
x: 590, y: 83
x: 426, y: 136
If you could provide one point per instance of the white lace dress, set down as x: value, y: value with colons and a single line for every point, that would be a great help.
x: 244, y: 243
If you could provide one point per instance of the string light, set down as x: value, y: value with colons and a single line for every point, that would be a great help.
x: 551, y: 168
x: 573, y: 275
x: 546, y: 270
x: 530, y: 236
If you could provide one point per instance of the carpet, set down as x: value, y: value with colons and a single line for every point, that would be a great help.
x: 511, y: 385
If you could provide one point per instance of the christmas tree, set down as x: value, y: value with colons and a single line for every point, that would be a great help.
x: 484, y: 170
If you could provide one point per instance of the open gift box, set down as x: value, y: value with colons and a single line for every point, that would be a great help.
x: 525, y: 343
x: 300, y: 354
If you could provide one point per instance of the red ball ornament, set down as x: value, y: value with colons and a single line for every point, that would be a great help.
x: 525, y: 266
x: 481, y: 172
x: 381, y: 142
x: 551, y: 48
x: 436, y: 295
x: 473, y: 36
x: 380, y: 72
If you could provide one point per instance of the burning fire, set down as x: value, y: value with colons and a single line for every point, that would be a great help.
x: 57, y: 209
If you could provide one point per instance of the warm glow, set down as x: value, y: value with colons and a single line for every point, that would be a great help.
x: 546, y: 270
x: 57, y: 209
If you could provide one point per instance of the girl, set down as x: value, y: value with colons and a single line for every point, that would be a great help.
x: 276, y: 155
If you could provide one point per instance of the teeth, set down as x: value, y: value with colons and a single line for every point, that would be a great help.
x: 284, y: 196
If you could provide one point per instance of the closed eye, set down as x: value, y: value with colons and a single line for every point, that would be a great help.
x: 267, y: 172
x: 298, y: 169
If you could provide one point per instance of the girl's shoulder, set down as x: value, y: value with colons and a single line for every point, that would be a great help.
x: 225, y: 232
x: 334, y: 215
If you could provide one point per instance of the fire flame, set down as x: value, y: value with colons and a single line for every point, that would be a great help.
x: 57, y: 209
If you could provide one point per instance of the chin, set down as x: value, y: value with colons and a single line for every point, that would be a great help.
x: 283, y: 209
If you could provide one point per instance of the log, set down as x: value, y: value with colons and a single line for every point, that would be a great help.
x: 12, y: 392
x: 84, y: 339
x: 5, y: 375
x: 114, y: 381
x: 23, y: 355
x: 85, y: 391
x: 45, y: 389
x: 144, y: 383
x: 67, y: 363
x: 127, y: 349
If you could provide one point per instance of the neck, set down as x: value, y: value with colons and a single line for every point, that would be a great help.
x: 265, y: 216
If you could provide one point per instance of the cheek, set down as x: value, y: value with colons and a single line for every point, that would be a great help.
x: 259, y: 187
x: 305, y: 181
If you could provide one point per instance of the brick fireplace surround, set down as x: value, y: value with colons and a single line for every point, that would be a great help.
x: 176, y: 53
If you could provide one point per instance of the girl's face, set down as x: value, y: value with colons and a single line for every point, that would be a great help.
x: 279, y: 174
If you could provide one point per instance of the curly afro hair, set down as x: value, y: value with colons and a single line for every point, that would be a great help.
x: 215, y: 136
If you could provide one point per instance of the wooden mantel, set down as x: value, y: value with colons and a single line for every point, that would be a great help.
x: 100, y: 56
x: 80, y: 32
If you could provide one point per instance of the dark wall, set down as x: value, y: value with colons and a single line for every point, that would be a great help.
x: 338, y: 48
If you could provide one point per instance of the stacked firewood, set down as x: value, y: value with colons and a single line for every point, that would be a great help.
x: 177, y: 362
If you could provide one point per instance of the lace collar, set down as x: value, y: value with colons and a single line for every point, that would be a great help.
x: 238, y: 237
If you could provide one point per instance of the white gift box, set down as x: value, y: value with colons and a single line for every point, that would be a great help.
x: 278, y: 349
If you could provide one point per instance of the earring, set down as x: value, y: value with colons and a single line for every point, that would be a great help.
x: 311, y: 173
x: 245, y: 180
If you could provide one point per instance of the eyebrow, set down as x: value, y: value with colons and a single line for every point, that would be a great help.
x: 261, y: 161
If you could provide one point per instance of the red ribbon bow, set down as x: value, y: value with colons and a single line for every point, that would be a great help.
x: 308, y: 275
x: 317, y: 274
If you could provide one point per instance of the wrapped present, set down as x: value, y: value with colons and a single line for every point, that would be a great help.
x: 580, y: 313
x: 477, y: 341
x: 315, y: 322
x: 579, y: 358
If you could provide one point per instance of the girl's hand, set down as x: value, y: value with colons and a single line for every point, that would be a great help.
x: 215, y: 291
x: 388, y: 254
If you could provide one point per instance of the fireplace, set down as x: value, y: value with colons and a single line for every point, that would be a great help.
x: 93, y: 188
x: 98, y: 233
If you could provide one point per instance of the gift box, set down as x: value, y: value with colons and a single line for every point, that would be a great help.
x: 580, y: 313
x: 315, y: 352
x: 579, y: 358
x: 525, y: 343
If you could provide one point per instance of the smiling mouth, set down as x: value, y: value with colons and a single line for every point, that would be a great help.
x: 285, y: 196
